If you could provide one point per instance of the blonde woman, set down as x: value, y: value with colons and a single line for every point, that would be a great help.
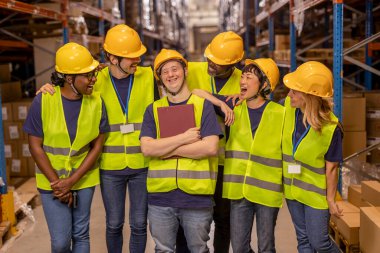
x: 312, y: 151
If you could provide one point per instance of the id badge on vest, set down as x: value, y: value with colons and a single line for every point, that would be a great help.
x: 294, y: 168
x: 127, y: 128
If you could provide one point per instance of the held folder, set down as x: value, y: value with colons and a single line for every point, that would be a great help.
x: 175, y: 119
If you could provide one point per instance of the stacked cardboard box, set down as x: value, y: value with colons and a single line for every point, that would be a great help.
x: 18, y: 158
x: 373, y: 125
x: 348, y: 225
x: 370, y: 218
x: 354, y: 124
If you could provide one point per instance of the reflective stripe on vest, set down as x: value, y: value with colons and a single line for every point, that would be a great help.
x: 253, y: 166
x: 198, y: 78
x: 123, y: 150
x: 193, y: 176
x: 63, y: 155
x: 308, y: 187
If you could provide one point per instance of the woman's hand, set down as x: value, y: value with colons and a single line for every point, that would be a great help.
x: 61, y: 187
x: 229, y: 115
x: 46, y: 88
x: 334, y: 209
x: 234, y: 98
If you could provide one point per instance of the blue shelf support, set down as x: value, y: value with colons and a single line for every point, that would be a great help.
x: 101, y: 29
x: 257, y: 29
x: 122, y: 9
x: 271, y: 33
x: 368, y: 33
x: 3, y: 170
x: 293, y: 38
x: 247, y: 25
x: 65, y: 26
x: 338, y: 66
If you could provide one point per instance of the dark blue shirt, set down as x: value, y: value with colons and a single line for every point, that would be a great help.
x: 178, y: 198
x: 255, y: 115
x: 219, y: 83
x: 71, y: 109
x: 334, y: 153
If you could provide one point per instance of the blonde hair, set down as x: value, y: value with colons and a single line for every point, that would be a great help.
x: 316, y: 111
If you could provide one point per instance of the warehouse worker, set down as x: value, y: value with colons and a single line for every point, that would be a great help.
x: 253, y: 164
x: 122, y: 164
x: 312, y: 151
x: 219, y: 76
x: 66, y: 135
x: 180, y: 190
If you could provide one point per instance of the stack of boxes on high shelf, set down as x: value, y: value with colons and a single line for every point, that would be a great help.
x: 19, y: 162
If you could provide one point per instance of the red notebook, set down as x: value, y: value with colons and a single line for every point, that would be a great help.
x: 176, y: 119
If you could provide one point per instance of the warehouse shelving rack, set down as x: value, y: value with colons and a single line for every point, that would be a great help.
x: 21, y: 7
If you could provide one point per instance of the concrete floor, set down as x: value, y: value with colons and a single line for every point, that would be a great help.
x: 34, y: 237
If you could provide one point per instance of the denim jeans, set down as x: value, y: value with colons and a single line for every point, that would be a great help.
x: 221, y: 217
x: 242, y: 216
x: 312, y: 228
x: 69, y: 227
x: 114, y: 188
x: 164, y: 222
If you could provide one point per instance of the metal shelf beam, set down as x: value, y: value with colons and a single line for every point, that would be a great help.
x: 31, y: 9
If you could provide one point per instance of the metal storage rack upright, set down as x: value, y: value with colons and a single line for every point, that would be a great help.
x: 21, y: 7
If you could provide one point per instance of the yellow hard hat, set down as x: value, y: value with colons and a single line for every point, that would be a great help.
x: 73, y: 58
x: 225, y: 49
x: 312, y: 78
x: 165, y: 55
x: 269, y: 69
x: 121, y: 40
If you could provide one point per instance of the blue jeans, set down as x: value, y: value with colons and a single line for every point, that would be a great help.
x: 69, y: 227
x: 114, y: 194
x: 164, y: 222
x: 242, y: 216
x: 312, y: 228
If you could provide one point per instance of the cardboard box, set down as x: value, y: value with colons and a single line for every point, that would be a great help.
x: 354, y: 142
x: 346, y: 207
x: 354, y: 114
x: 11, y: 149
x: 369, y: 233
x: 6, y: 112
x: 10, y: 91
x: 31, y: 165
x: 348, y: 226
x: 355, y: 196
x: 13, y: 131
x: 18, y: 167
x: 373, y: 123
x: 373, y: 156
x: 282, y: 42
x: 20, y: 109
x: 5, y: 73
x: 372, y: 100
x: 371, y: 192
x: 23, y: 149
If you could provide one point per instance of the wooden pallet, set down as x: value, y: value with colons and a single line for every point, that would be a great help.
x: 282, y: 55
x: 342, y: 243
x: 28, y: 194
x: 4, y: 232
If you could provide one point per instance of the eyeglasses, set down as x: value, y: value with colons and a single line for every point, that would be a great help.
x: 90, y: 75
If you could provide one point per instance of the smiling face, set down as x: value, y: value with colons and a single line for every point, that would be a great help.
x: 129, y: 65
x: 216, y: 70
x: 172, y: 75
x: 84, y: 83
x: 249, y: 85
x: 296, y: 99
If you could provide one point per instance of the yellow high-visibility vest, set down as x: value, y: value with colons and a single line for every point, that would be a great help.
x: 193, y: 176
x: 253, y: 165
x: 64, y: 156
x: 123, y: 150
x: 198, y: 78
x: 308, y: 187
